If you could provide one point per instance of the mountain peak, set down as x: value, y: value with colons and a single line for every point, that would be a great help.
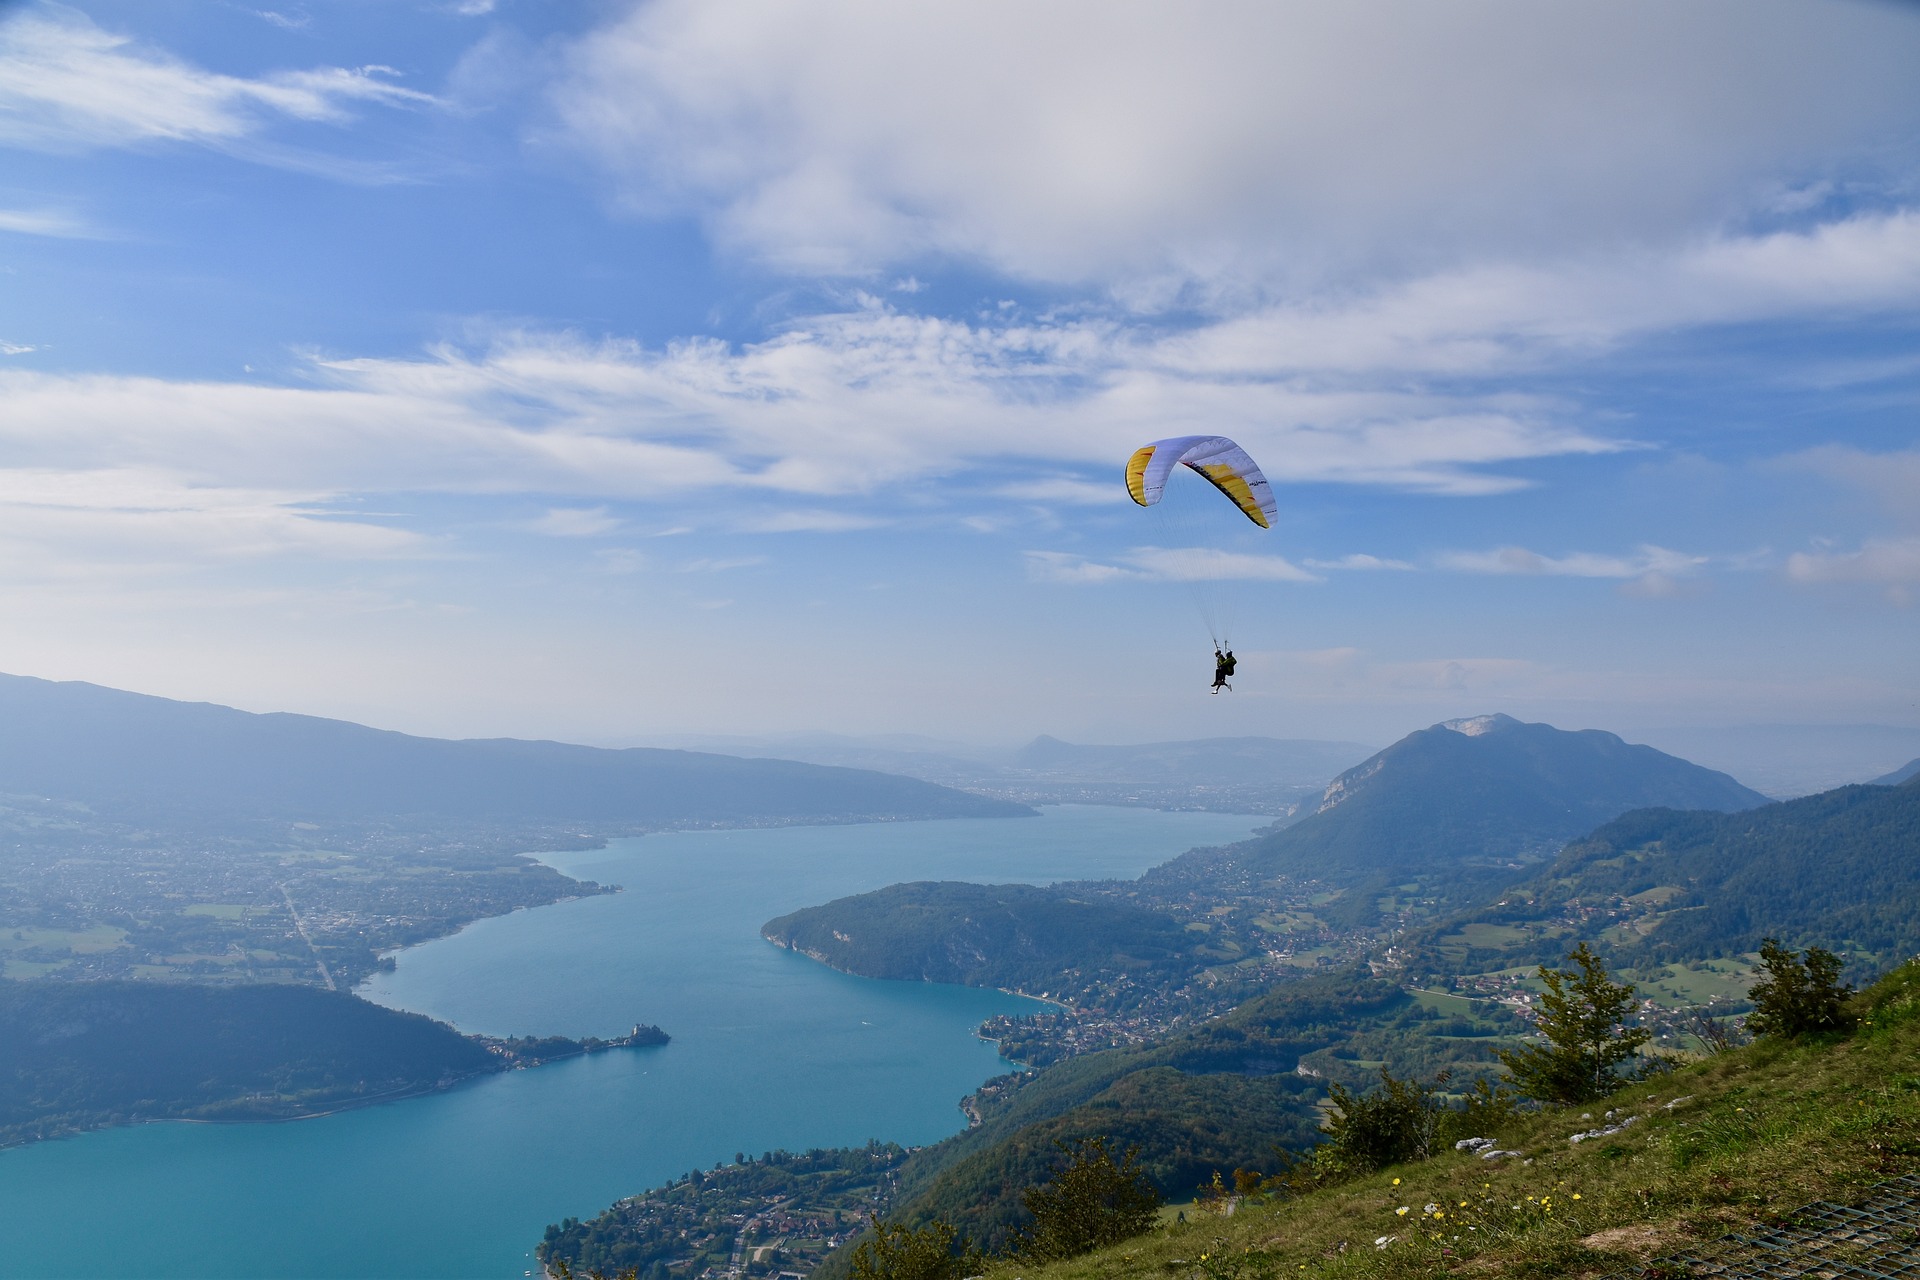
x: 1475, y: 726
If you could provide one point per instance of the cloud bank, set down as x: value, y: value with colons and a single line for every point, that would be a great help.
x: 1125, y: 143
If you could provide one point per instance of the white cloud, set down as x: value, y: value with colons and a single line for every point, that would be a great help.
x: 1124, y: 142
x: 54, y: 523
x: 1166, y: 564
x: 15, y: 349
x: 576, y: 522
x: 1064, y: 489
x: 1892, y: 478
x: 838, y: 405
x: 1579, y: 564
x: 46, y: 222
x: 67, y: 83
x: 1890, y: 562
x: 1064, y: 567
x: 808, y: 522
x: 1359, y: 561
x: 720, y: 564
x: 1210, y: 564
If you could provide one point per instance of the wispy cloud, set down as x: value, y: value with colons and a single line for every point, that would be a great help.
x: 1578, y: 564
x: 1064, y: 489
x: 66, y: 83
x: 47, y: 222
x: 1893, y: 563
x: 15, y: 349
x: 1361, y: 562
x: 54, y: 520
x: 1168, y: 564
x: 576, y: 522
x: 808, y: 522
x: 720, y: 564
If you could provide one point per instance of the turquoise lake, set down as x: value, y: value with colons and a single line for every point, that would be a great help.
x: 769, y: 1050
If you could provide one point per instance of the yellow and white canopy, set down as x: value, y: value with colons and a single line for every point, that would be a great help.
x: 1224, y: 464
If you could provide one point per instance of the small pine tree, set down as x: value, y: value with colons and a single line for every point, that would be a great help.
x: 1798, y: 997
x: 898, y: 1252
x: 1582, y: 1016
x: 1095, y: 1200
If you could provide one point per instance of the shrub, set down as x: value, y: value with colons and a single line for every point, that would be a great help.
x: 898, y: 1252
x: 1095, y: 1200
x: 1800, y: 995
x: 1395, y: 1123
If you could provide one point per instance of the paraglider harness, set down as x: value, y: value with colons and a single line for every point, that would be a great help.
x: 1223, y: 665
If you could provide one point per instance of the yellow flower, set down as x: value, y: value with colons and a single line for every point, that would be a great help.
x: 1576, y: 1195
x: 1401, y: 1212
x: 1396, y: 1182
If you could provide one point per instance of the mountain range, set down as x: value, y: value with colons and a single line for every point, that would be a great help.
x: 1911, y: 769
x: 139, y: 758
x: 1240, y: 775
x: 1450, y: 810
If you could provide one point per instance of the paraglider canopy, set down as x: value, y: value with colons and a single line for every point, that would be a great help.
x: 1224, y: 464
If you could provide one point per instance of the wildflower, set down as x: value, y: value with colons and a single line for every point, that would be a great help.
x: 1401, y: 1212
x: 1396, y: 1182
x: 1576, y: 1195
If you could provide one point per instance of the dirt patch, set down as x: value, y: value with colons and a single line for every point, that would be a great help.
x: 1642, y: 1239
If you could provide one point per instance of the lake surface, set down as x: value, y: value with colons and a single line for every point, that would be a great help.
x: 769, y: 1050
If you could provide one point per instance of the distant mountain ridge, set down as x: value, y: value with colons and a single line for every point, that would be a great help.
x: 1229, y: 775
x: 1904, y: 773
x: 144, y: 757
x: 1471, y: 802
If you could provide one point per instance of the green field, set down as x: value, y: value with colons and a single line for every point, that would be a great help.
x: 1479, y: 934
x: 217, y: 910
x: 78, y: 942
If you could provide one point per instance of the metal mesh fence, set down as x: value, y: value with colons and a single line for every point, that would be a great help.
x: 1877, y: 1239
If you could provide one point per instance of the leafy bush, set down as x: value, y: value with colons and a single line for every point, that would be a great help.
x: 1801, y: 995
x: 898, y: 1252
x: 1398, y: 1122
x: 1095, y: 1200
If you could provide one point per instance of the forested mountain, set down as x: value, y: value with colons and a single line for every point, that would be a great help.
x: 1909, y: 770
x: 1005, y: 935
x: 1839, y: 870
x: 83, y: 1054
x: 1464, y: 806
x: 142, y: 758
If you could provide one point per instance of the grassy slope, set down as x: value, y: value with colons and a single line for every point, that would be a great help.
x: 1764, y: 1130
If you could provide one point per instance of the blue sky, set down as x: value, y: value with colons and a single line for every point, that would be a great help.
x: 611, y: 370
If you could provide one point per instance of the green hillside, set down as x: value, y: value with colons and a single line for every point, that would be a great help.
x: 1218, y: 1096
x: 1840, y: 869
x: 1007, y: 935
x: 1463, y: 807
x: 1738, y: 1142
